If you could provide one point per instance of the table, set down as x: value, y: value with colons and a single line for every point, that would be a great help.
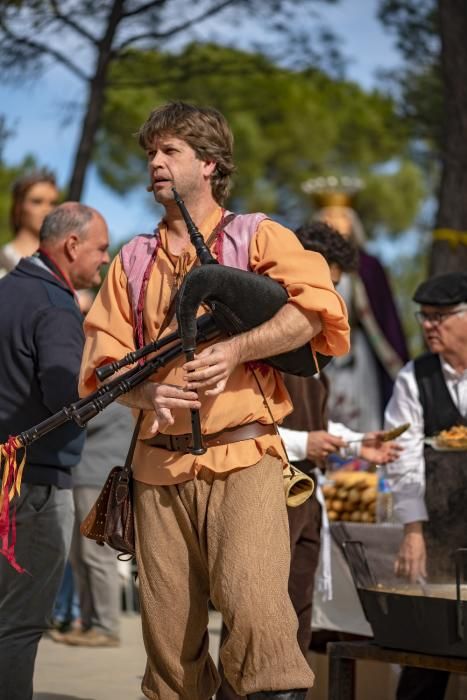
x: 343, y: 657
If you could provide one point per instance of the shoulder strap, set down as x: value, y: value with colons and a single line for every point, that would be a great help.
x: 125, y: 474
x: 137, y: 258
x: 233, y: 247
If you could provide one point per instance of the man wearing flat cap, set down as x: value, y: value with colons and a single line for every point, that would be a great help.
x: 429, y: 485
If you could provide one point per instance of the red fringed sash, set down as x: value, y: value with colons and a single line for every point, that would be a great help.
x: 11, y: 485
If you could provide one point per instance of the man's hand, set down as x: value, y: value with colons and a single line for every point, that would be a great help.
x: 163, y: 397
x: 411, y: 560
x: 212, y: 367
x: 320, y: 444
x: 374, y: 449
x: 288, y: 329
x: 387, y: 452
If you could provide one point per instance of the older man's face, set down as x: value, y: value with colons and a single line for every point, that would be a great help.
x: 444, y: 327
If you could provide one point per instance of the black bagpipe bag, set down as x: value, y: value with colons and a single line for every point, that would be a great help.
x: 239, y: 301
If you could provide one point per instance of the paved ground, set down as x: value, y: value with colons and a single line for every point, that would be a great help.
x: 76, y: 673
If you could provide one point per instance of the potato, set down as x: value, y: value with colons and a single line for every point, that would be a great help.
x: 342, y: 494
x: 368, y: 495
x: 329, y: 491
x: 371, y: 479
x: 354, y: 495
x: 342, y: 478
x: 347, y: 506
x: 337, y: 505
x: 345, y: 517
x: 367, y: 517
x: 332, y: 515
x: 365, y: 481
x: 356, y: 516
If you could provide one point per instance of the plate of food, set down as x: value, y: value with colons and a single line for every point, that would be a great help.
x: 452, y: 440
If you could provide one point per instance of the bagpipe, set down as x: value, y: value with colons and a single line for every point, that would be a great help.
x: 237, y: 300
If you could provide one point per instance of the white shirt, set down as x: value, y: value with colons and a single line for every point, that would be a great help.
x: 295, y: 441
x: 406, y: 476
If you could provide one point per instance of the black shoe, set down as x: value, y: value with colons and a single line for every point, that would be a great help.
x: 279, y: 695
x: 62, y: 626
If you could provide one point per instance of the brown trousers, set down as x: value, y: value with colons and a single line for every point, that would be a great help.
x: 222, y: 537
x: 305, y: 526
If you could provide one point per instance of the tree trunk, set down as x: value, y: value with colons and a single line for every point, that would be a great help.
x: 95, y: 103
x: 447, y: 255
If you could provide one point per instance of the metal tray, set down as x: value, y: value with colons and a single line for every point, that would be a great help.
x: 428, y: 624
x: 423, y: 624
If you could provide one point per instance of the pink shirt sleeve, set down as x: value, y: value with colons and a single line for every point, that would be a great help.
x: 108, y: 327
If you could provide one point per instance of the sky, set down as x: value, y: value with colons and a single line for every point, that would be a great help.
x: 40, y: 116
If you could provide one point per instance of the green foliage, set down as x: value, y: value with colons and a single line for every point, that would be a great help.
x: 288, y: 126
x: 6, y: 178
x: 8, y: 174
x: 418, y: 85
x: 406, y: 275
x: 415, y: 23
x: 388, y: 202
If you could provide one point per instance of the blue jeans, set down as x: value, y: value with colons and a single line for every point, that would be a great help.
x: 66, y: 608
x: 44, y: 520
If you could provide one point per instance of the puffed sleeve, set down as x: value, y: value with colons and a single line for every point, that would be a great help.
x: 108, y: 327
x: 276, y: 251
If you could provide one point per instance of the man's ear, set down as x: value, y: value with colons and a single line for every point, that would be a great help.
x: 209, y: 167
x: 71, y: 246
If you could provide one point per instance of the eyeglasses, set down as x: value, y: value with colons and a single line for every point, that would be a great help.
x: 437, y: 317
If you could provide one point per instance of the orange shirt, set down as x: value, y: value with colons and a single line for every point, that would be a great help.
x: 275, y: 251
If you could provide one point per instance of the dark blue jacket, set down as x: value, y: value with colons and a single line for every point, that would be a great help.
x: 41, y: 343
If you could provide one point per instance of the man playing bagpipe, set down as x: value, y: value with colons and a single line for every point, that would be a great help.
x: 212, y: 525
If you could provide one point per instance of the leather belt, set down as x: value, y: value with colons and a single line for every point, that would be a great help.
x: 183, y: 443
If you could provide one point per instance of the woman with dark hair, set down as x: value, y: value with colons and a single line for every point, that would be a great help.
x: 33, y: 197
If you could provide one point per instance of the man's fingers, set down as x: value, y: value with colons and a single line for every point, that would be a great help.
x: 415, y: 571
x: 168, y: 397
x: 170, y: 402
x: 218, y: 389
x: 207, y: 357
x: 332, y: 444
x: 163, y: 418
x: 200, y: 375
x: 410, y: 568
x: 175, y: 392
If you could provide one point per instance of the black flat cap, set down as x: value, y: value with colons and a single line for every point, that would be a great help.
x: 444, y: 290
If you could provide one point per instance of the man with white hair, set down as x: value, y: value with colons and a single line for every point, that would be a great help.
x: 429, y: 486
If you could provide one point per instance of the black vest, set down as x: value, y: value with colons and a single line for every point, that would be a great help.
x: 445, y: 473
x: 439, y: 410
